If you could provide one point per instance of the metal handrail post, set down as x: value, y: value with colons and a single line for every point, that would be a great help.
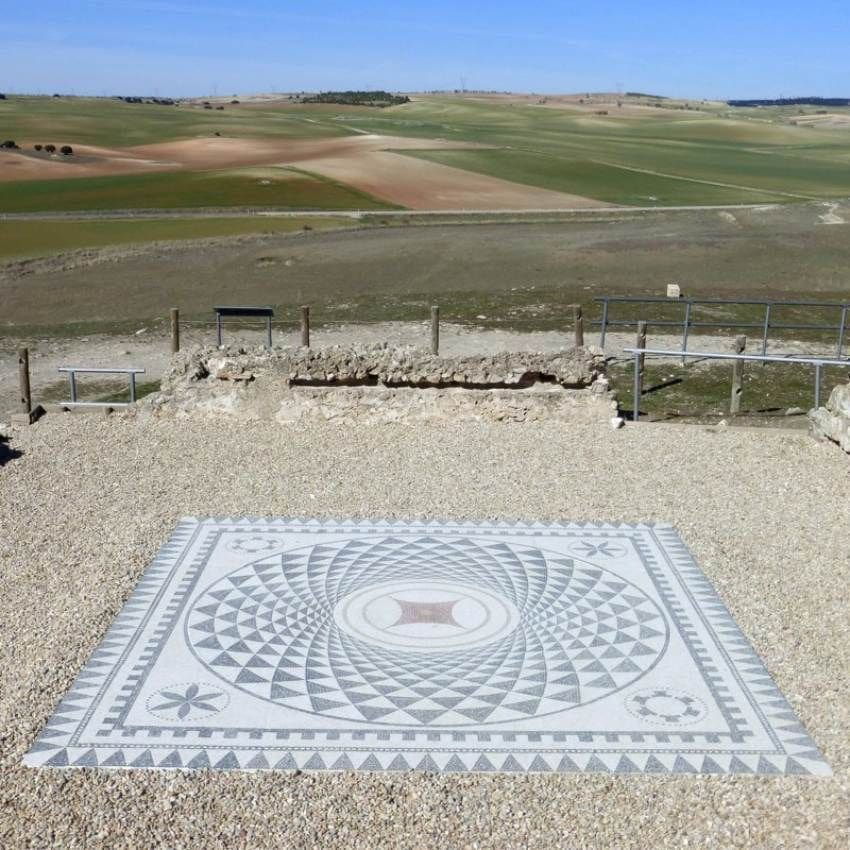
x: 636, y: 390
x: 218, y: 330
x: 686, y: 326
x: 766, y: 328
x: 132, y: 387
x: 817, y: 384
x: 72, y: 380
x: 269, y: 330
x: 841, y: 328
x: 604, y: 323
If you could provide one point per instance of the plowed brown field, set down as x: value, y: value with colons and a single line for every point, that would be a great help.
x: 368, y: 162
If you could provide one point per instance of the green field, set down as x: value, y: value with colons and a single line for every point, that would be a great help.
x: 113, y: 123
x: 23, y: 239
x: 765, y: 154
x: 592, y: 179
x: 670, y: 156
x: 260, y: 187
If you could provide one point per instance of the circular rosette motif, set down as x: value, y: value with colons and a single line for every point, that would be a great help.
x: 660, y: 706
x: 426, y: 630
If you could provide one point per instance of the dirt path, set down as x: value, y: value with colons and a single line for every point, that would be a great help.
x: 149, y: 349
x: 460, y: 215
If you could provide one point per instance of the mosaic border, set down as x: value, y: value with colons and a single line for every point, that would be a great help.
x: 55, y: 746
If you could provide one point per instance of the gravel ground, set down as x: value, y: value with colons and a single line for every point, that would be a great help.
x: 88, y: 501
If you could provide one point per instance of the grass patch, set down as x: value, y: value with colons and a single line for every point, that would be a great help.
x: 703, y: 389
x: 95, y: 389
x: 24, y: 239
x: 183, y: 190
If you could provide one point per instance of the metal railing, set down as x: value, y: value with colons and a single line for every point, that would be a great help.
x: 687, y: 322
x: 73, y: 371
x: 640, y: 353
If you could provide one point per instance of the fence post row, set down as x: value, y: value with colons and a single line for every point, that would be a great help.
x: 737, y: 377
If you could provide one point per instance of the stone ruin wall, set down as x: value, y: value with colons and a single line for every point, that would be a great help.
x: 383, y: 384
x: 833, y: 421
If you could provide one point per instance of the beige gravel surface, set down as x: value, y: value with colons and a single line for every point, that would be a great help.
x: 89, y: 500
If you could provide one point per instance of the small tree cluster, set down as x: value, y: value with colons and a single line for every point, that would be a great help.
x: 65, y: 150
x: 9, y: 145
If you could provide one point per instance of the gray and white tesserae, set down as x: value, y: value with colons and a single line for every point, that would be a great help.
x: 439, y: 646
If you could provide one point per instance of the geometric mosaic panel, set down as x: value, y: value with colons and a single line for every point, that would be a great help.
x: 438, y: 646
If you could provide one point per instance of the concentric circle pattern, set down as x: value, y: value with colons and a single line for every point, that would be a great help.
x: 394, y: 630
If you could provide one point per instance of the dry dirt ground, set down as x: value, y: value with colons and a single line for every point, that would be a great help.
x: 85, y: 503
x: 364, y: 161
x: 522, y: 274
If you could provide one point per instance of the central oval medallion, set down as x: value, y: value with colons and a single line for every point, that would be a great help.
x: 426, y: 616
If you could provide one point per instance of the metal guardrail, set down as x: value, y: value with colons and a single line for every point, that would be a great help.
x: 73, y: 371
x: 639, y: 353
x: 687, y: 322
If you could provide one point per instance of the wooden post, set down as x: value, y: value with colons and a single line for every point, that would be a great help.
x: 175, y: 330
x: 578, y: 325
x: 737, y: 377
x: 305, y: 326
x: 640, y: 342
x: 435, y: 329
x: 24, y: 380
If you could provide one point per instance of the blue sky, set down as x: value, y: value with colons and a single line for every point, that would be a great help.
x: 719, y: 48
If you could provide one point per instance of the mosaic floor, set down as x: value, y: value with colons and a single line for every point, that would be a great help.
x: 426, y: 646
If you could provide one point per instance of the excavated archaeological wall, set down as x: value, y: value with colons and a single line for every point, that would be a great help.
x: 379, y: 383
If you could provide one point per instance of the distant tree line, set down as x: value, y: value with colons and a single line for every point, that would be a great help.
x: 469, y: 91
x: 162, y: 101
x: 644, y: 94
x: 357, y: 98
x: 794, y: 101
